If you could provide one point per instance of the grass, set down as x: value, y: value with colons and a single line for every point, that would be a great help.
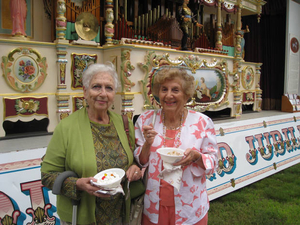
x: 274, y: 200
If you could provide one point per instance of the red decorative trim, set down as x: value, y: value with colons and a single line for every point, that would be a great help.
x: 255, y: 125
x: 209, y: 4
x: 234, y: 10
x: 20, y: 164
x: 24, y: 106
x: 252, y: 175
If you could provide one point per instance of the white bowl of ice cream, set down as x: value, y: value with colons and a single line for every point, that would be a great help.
x: 110, y: 178
x: 170, y: 155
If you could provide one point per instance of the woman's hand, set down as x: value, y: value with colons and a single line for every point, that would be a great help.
x: 190, y: 156
x: 133, y: 173
x: 149, y: 133
x: 84, y: 184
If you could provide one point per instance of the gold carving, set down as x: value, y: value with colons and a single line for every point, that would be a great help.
x: 247, y: 77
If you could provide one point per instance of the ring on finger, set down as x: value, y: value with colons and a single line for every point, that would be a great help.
x: 148, y: 135
x: 136, y: 172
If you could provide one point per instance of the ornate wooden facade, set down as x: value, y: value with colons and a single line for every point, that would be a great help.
x: 153, y: 38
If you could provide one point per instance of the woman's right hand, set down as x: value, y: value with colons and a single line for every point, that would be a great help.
x: 149, y: 133
x: 84, y: 184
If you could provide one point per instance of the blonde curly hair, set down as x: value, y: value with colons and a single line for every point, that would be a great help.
x: 171, y: 74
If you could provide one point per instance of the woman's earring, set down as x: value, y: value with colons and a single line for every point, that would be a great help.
x: 85, y: 103
x: 113, y: 107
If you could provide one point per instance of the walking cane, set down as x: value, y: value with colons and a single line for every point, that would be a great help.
x: 57, y: 191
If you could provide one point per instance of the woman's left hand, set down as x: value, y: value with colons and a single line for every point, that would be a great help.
x: 133, y: 173
x: 190, y: 156
x: 84, y: 184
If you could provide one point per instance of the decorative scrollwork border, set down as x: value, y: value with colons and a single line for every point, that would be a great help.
x: 24, y: 69
x: 153, y: 63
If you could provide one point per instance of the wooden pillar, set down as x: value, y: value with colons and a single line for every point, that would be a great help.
x: 109, y: 27
x: 237, y: 94
x: 61, y: 52
x: 258, y: 91
x: 126, y: 84
x: 219, y: 44
x: 238, y: 34
x: 61, y: 20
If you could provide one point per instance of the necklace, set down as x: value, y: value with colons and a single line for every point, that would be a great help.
x: 177, y: 136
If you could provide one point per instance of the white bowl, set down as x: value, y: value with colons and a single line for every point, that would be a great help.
x: 104, y: 178
x: 167, y: 155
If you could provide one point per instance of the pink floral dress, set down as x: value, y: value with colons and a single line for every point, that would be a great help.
x: 191, y: 201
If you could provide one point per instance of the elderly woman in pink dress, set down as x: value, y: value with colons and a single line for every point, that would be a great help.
x: 176, y: 126
x: 18, y: 11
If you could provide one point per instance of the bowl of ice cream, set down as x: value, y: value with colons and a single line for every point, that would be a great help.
x: 110, y: 178
x: 170, y: 155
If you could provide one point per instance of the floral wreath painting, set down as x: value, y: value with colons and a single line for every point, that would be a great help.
x: 80, y: 62
x: 24, y: 69
x: 247, y: 77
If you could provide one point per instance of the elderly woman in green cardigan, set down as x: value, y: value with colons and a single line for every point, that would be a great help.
x: 90, y: 140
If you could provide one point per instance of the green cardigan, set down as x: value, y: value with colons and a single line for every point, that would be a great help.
x: 72, y: 148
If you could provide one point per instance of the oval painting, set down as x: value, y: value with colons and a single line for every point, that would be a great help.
x: 25, y: 69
